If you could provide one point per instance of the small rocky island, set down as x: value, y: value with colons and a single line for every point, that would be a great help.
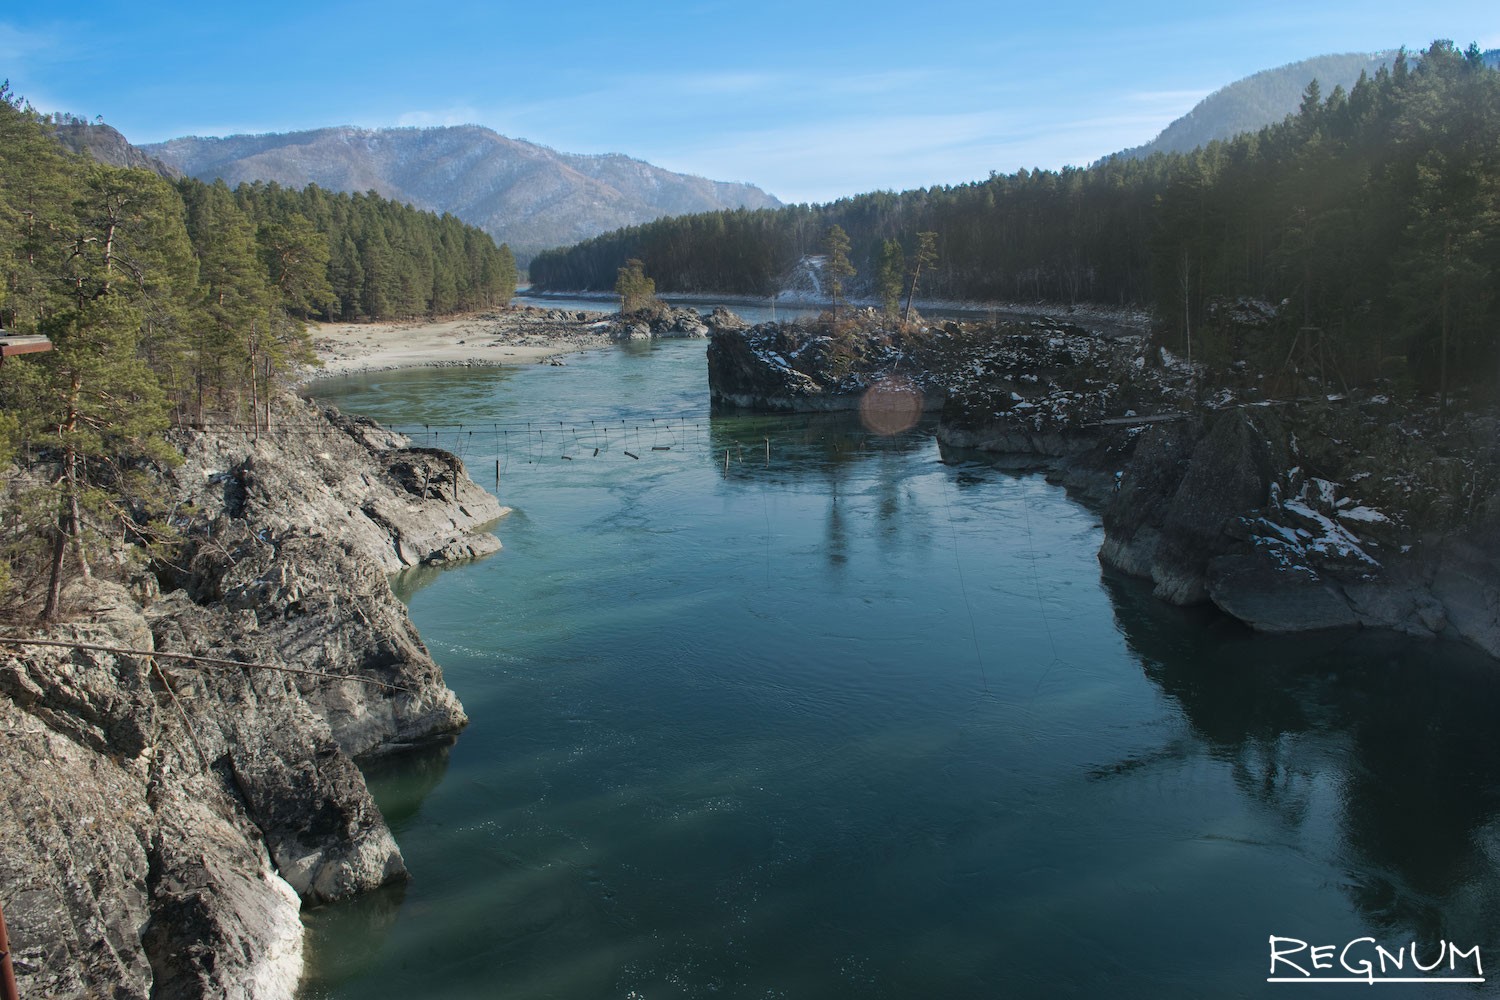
x: 1287, y: 505
x: 181, y: 773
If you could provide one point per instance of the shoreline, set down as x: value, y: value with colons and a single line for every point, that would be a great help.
x: 517, y: 335
x: 1127, y: 318
x: 512, y: 336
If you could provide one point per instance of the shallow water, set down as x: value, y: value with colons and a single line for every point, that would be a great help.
x: 855, y: 722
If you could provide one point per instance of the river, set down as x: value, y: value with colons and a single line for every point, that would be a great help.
x: 856, y: 721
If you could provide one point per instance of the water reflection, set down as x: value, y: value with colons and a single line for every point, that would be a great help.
x: 863, y: 474
x: 857, y: 723
x: 1389, y: 739
x: 400, y: 782
x: 352, y: 935
x: 807, y: 443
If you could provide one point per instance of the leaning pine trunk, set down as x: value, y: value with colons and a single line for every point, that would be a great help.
x: 54, y: 584
x: 69, y: 521
x: 69, y: 526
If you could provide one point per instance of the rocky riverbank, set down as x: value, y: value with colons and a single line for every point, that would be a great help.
x: 1318, y: 511
x: 167, y: 818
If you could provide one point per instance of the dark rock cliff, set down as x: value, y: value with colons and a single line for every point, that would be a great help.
x: 165, y: 819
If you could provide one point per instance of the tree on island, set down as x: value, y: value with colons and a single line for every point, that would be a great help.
x: 635, y: 289
x: 926, y: 257
x: 836, y: 245
x: 891, y: 275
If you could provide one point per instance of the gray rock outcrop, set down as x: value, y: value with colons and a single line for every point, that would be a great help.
x: 167, y: 818
x: 664, y: 322
x: 814, y: 368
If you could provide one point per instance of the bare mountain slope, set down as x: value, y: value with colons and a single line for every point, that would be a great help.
x: 1267, y: 97
x: 1250, y: 104
x: 526, y: 195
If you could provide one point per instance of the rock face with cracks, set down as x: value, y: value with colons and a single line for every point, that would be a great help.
x: 165, y: 820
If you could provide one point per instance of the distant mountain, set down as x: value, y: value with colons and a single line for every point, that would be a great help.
x: 1251, y: 104
x: 523, y: 194
x: 1267, y: 97
x: 108, y: 146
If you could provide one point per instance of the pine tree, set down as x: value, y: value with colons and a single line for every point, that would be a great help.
x: 892, y: 274
x: 504, y: 288
x: 378, y: 298
x: 837, y: 266
x: 296, y: 257
x: 105, y: 405
x: 635, y: 289
x: 92, y: 405
x: 926, y: 256
x: 229, y: 348
x: 347, y: 276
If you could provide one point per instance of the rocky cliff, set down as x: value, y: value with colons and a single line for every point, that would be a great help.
x: 106, y: 145
x: 166, y: 817
x: 1289, y: 515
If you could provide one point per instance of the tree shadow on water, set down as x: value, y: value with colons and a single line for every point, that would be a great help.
x: 1400, y: 729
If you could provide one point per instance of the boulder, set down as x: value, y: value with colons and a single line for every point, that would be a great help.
x: 1186, y: 486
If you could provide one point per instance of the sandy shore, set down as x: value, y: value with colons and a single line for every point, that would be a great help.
x: 516, y: 336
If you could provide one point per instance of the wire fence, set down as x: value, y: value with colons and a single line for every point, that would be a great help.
x: 734, y: 441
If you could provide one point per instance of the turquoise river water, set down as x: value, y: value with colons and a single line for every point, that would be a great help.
x: 867, y: 720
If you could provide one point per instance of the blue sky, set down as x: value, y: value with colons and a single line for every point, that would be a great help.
x: 809, y: 100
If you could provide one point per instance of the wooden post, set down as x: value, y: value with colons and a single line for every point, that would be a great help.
x: 768, y: 452
x: 726, y: 459
x: 497, y: 475
x: 8, y: 989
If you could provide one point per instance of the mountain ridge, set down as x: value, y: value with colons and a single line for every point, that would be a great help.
x: 1266, y: 97
x: 522, y: 193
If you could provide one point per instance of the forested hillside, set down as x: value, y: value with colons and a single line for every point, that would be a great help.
x: 1366, y: 222
x: 176, y: 303
x: 529, y: 196
x: 1258, y: 100
x: 383, y: 259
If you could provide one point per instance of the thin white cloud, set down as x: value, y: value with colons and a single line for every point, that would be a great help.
x: 826, y: 160
x: 18, y: 44
x: 1186, y: 97
x: 716, y: 83
x: 458, y: 115
x: 875, y: 84
x: 210, y: 129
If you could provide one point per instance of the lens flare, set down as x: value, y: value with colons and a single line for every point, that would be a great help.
x: 891, y: 406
